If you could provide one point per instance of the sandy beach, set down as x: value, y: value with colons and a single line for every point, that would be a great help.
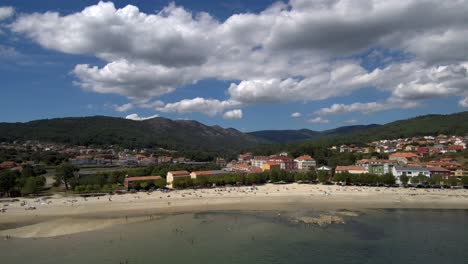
x: 59, y: 215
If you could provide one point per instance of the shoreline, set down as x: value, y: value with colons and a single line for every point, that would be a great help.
x: 71, y: 215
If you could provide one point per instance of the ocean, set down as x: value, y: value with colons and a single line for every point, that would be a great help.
x: 376, y: 236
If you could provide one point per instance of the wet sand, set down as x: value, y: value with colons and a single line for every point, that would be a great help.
x: 70, y: 215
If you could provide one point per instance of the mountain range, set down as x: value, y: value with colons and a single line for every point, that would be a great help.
x: 192, y: 135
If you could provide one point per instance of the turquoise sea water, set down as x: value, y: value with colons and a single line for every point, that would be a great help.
x: 378, y: 236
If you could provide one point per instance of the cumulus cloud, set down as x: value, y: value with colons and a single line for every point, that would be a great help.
x: 351, y: 121
x: 296, y: 115
x: 123, y: 108
x: 318, y: 120
x: 464, y: 102
x: 290, y: 52
x: 6, y: 12
x: 136, y: 117
x: 209, y: 107
x: 233, y: 114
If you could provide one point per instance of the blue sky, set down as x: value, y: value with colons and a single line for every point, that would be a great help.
x: 212, y: 60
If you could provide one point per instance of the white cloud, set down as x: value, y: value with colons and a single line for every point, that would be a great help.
x: 296, y: 115
x: 290, y: 52
x: 318, y: 120
x: 136, y: 117
x: 354, y: 107
x: 123, y: 108
x: 209, y: 107
x: 351, y: 121
x: 6, y: 12
x: 233, y: 114
x: 464, y: 102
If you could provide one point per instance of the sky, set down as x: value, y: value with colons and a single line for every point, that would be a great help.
x: 251, y: 65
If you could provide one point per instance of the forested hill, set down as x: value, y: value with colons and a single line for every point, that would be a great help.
x: 156, y: 132
x: 453, y: 124
x: 192, y: 135
x: 290, y: 136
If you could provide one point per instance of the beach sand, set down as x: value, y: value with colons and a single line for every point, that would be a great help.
x: 61, y: 215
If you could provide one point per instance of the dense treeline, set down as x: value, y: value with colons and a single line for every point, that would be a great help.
x: 113, y: 180
x: 28, y: 181
x: 275, y: 176
x: 48, y: 158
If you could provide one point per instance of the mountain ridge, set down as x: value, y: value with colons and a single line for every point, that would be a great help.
x: 192, y: 135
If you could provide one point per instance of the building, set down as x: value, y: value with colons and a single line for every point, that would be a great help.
x: 351, y: 169
x: 410, y: 171
x: 271, y: 166
x: 164, y: 159
x: 439, y: 171
x: 403, y: 157
x: 128, y: 182
x: 220, y: 162
x: 245, y: 157
x: 7, y: 164
x: 460, y: 173
x: 258, y: 161
x: 172, y: 175
x: 211, y: 173
x: 242, y: 168
x: 375, y: 166
x: 285, y: 162
x: 305, y: 162
x: 455, y: 148
x: 83, y: 160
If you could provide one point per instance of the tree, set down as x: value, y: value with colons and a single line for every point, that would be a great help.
x: 452, y: 181
x: 464, y: 180
x: 323, y: 176
x: 388, y: 179
x: 32, y: 185
x: 404, y: 179
x: 144, y: 185
x: 161, y: 183
x: 436, y: 179
x: 66, y: 173
x: 8, y: 181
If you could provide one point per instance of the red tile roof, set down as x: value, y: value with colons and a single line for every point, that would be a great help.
x: 305, y: 157
x: 404, y: 155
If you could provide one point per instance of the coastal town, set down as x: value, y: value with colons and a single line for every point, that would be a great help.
x: 439, y: 158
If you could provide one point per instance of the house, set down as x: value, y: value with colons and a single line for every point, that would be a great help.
x: 351, y: 169
x: 220, y: 162
x: 455, y: 148
x: 7, y: 164
x: 242, y: 168
x: 258, y: 161
x: 83, y: 160
x: 439, y: 171
x: 164, y: 159
x: 305, y: 162
x: 285, y: 162
x: 128, y: 182
x: 271, y: 166
x: 403, y: 157
x: 410, y: 171
x: 376, y: 166
x: 460, y: 173
x: 172, y: 175
x: 211, y: 173
x: 245, y: 157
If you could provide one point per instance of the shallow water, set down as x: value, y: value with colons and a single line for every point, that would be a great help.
x: 378, y: 236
